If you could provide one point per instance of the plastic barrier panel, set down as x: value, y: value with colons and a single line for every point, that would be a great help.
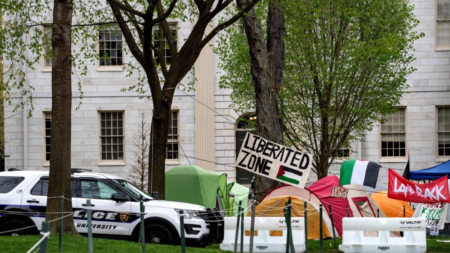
x: 270, y: 234
x: 384, y: 235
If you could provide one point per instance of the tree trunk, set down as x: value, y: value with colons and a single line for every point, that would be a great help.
x: 322, y: 169
x: 60, y: 158
x: 267, y: 63
x: 158, y: 146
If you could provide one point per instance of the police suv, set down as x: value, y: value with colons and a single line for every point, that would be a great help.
x: 115, y: 209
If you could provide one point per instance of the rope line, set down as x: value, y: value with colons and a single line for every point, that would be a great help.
x: 45, y: 235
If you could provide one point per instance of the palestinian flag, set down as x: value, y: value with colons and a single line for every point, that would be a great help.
x: 359, y: 172
x: 289, y: 175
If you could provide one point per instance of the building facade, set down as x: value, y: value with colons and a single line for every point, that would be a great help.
x: 206, y: 132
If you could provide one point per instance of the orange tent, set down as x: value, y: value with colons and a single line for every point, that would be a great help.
x: 392, y: 207
x: 274, y: 208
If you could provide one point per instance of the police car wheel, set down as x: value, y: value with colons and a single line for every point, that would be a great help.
x: 158, y: 234
x: 13, y: 227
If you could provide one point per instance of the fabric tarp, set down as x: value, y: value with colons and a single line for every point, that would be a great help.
x: 431, y: 173
x: 237, y: 193
x: 274, y: 208
x: 392, y: 207
x: 322, y: 188
x: 192, y: 184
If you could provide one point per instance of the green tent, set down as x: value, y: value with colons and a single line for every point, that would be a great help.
x: 192, y: 184
x: 237, y: 193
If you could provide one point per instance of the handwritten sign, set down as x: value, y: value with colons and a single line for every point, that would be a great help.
x: 275, y: 161
x: 434, y: 215
x: 339, y: 192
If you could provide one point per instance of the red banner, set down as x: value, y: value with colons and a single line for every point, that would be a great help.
x: 400, y: 188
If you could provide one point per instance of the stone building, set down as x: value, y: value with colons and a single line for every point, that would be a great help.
x: 205, y: 130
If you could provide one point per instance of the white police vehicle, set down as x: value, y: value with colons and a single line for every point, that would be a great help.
x: 115, y: 214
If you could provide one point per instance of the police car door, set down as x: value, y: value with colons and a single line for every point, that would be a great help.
x: 108, y: 216
x: 34, y: 199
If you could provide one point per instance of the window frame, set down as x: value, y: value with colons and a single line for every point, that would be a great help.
x: 110, y: 68
x: 345, y: 148
x: 44, y: 67
x: 394, y: 158
x: 440, y: 158
x: 437, y: 46
x: 174, y: 28
x: 111, y: 162
x: 173, y: 160
x: 46, y: 162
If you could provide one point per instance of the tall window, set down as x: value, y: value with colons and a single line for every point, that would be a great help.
x: 172, y: 140
x: 157, y: 34
x: 443, y: 23
x: 393, y: 134
x: 47, y: 45
x: 48, y: 129
x: 111, y: 135
x: 110, y: 47
x: 444, y: 131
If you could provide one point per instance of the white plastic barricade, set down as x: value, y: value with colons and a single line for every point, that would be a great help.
x: 270, y: 234
x: 383, y: 235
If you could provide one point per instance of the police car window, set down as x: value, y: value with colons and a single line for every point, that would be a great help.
x: 132, y: 189
x: 41, y: 188
x: 9, y: 183
x: 96, y: 190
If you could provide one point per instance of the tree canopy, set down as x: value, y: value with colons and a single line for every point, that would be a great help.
x: 150, y: 30
x: 346, y: 64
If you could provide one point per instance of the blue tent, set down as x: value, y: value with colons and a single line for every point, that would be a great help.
x: 435, y: 172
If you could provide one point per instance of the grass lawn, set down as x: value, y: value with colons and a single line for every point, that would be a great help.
x: 79, y: 244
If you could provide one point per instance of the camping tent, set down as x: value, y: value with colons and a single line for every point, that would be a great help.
x: 274, y: 207
x: 238, y: 193
x: 289, y: 190
x: 301, y: 193
x: 361, y: 204
x: 192, y: 184
x: 392, y: 207
x: 432, y: 173
x: 339, y: 206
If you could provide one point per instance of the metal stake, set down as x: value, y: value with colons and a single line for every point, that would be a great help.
x: 320, y: 226
x: 61, y: 209
x: 183, y: 241
x: 89, y: 223
x: 332, y: 226
x: 252, y: 225
x: 237, y: 227
x: 306, y: 226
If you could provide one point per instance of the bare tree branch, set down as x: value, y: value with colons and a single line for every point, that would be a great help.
x: 134, y: 48
x: 166, y: 14
x: 228, y: 22
x: 126, y: 8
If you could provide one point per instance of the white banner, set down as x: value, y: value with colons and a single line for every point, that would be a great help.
x: 434, y: 214
x: 275, y: 161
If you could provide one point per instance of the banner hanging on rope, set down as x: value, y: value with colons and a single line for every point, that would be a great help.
x: 275, y: 161
x: 402, y: 189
